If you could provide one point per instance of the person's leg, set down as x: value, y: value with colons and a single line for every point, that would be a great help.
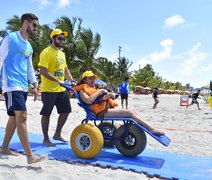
x: 45, y: 129
x: 122, y: 103
x: 189, y: 104
x: 9, y: 131
x: 126, y: 103
x: 48, y: 100
x: 198, y: 106
x: 126, y: 100
x: 60, y: 123
x: 138, y: 118
x: 154, y: 105
x: 63, y: 108
x: 21, y: 117
x: 156, y: 102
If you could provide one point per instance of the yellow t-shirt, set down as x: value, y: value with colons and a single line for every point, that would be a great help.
x: 55, y: 62
x: 210, y: 101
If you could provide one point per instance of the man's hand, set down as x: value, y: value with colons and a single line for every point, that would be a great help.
x: 35, y: 93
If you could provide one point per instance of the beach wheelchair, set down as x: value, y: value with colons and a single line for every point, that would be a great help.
x: 128, y: 136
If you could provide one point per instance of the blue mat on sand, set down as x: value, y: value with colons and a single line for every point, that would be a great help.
x: 150, y: 162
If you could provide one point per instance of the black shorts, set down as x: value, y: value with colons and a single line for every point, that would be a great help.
x: 15, y: 101
x: 124, y: 96
x: 194, y: 101
x: 59, y: 99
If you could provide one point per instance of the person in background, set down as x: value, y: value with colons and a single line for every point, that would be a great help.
x: 210, y: 100
x: 16, y: 67
x: 54, y: 70
x: 194, y: 97
x: 124, y: 90
x: 155, y: 97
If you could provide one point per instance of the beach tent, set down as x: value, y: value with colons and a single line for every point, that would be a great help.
x: 100, y: 82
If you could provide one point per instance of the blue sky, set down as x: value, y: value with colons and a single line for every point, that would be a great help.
x: 174, y: 36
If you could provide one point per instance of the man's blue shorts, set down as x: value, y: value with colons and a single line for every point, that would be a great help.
x: 15, y: 101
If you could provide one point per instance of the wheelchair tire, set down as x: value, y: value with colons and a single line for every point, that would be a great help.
x: 86, y: 141
x: 108, y: 130
x: 133, y: 144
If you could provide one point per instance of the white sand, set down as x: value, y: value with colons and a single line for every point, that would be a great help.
x: 169, y: 114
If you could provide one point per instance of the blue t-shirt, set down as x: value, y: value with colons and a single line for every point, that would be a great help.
x: 124, y: 88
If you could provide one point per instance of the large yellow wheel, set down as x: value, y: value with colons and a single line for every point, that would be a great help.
x: 86, y: 141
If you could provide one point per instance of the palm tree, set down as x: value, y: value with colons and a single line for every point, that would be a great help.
x: 73, y: 27
x: 87, y: 46
x: 123, y: 64
x: 40, y: 42
x: 14, y: 23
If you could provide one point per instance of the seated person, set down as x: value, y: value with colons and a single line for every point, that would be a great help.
x: 105, y: 108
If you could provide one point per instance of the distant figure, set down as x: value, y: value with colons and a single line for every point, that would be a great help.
x: 194, y: 99
x: 155, y: 97
x: 124, y: 90
x: 210, y: 100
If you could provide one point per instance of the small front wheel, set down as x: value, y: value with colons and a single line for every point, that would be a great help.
x: 132, y: 140
x: 86, y: 141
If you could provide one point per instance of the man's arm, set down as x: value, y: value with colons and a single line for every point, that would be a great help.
x: 3, y: 51
x: 48, y: 75
x: 32, y: 78
x: 68, y: 74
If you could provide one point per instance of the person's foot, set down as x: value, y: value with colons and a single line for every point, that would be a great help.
x: 8, y: 152
x: 59, y: 138
x: 157, y: 132
x: 35, y: 159
x: 48, y: 143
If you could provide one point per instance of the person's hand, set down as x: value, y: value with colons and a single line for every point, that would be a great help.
x: 35, y: 93
x: 73, y: 84
x: 103, y: 91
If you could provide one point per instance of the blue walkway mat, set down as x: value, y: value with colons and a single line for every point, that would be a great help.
x: 150, y: 162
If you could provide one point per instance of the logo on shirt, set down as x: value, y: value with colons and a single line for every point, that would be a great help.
x: 27, y: 53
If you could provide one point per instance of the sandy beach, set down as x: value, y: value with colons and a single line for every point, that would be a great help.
x: 189, y: 129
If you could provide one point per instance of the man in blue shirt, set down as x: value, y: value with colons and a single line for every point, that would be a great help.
x: 124, y: 90
x: 15, y: 70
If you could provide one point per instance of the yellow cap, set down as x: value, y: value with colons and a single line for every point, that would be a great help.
x: 57, y: 32
x: 89, y: 74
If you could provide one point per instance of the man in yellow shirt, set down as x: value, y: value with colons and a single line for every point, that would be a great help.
x: 53, y: 70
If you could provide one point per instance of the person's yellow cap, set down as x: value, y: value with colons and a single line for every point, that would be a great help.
x: 89, y: 74
x: 57, y: 32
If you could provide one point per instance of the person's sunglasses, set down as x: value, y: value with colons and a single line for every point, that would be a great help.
x: 34, y: 25
x: 61, y: 39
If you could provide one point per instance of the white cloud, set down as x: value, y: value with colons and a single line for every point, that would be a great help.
x: 63, y: 3
x: 173, y: 21
x: 59, y: 4
x: 43, y: 3
x: 208, y: 68
x: 194, y: 58
x: 164, y: 54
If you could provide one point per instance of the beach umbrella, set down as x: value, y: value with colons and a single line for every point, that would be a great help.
x: 147, y: 88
